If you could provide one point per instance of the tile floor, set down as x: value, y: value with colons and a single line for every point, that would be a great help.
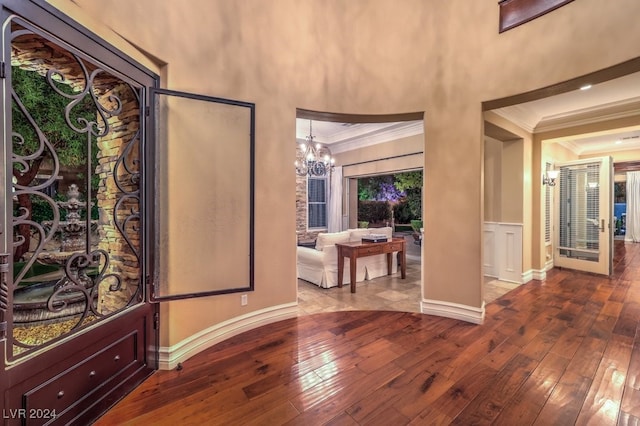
x: 389, y: 293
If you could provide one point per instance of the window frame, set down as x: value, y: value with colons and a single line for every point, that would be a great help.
x: 324, y: 179
x: 548, y: 213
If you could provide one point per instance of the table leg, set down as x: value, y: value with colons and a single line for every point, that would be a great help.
x: 389, y: 262
x: 403, y: 264
x: 352, y: 265
x: 340, y: 266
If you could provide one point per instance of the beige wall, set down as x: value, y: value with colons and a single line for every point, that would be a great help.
x: 331, y: 55
x: 398, y: 155
x: 512, y: 181
x: 556, y: 153
x: 620, y: 177
x: 492, y: 180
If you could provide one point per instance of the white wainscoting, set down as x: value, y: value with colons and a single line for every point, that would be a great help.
x: 489, y: 261
x: 503, y: 252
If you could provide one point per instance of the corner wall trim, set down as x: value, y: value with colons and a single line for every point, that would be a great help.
x: 169, y: 357
x: 539, y: 274
x: 528, y: 276
x: 453, y: 310
x: 548, y: 265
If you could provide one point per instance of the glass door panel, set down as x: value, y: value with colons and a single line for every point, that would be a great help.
x: 583, y: 218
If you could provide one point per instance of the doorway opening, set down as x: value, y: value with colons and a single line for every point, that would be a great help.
x: 620, y: 205
x: 579, y: 122
x: 363, y: 147
x: 393, y: 200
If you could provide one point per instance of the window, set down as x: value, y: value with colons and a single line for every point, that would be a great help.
x: 547, y: 209
x: 317, y: 202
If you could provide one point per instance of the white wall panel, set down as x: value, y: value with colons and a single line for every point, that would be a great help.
x: 503, y: 251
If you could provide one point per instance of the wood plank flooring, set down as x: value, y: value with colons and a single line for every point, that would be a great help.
x: 562, y: 351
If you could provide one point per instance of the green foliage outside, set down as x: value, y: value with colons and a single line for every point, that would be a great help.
x: 369, y: 187
x: 620, y: 192
x: 408, y: 181
x: 402, y: 212
x: 47, y: 109
x: 406, y: 207
x: 374, y: 212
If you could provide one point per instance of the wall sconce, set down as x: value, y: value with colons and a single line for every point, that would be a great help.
x: 549, y: 178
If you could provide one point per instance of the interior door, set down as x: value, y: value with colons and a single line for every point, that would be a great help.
x: 208, y: 141
x: 583, y: 197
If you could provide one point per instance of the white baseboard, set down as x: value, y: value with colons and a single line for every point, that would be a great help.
x: 169, y: 357
x: 453, y: 310
x: 527, y: 276
x: 539, y: 274
x: 549, y: 265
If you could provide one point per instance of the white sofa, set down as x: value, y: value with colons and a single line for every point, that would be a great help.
x: 319, y: 265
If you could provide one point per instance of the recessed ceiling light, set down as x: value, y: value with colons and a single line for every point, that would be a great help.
x: 585, y: 87
x: 619, y: 141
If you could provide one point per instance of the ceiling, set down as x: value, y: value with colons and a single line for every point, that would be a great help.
x: 342, y: 137
x: 611, y: 99
x: 604, y: 101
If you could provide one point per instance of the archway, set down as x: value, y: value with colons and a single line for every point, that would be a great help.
x: 362, y: 146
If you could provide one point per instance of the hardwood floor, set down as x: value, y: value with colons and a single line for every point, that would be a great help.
x: 559, y: 352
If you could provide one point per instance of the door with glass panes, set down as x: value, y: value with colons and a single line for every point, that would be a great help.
x: 583, y: 214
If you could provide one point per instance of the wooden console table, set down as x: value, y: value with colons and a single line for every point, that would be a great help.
x: 356, y: 249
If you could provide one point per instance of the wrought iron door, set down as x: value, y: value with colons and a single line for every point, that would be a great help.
x: 75, y: 320
x: 75, y: 193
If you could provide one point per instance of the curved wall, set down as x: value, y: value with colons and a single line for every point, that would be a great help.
x: 363, y: 57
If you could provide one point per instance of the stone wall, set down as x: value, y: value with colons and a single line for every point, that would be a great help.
x: 121, y: 141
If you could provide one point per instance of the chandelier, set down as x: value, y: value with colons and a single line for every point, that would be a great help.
x: 313, y: 159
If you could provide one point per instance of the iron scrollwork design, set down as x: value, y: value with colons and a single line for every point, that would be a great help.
x: 89, y: 274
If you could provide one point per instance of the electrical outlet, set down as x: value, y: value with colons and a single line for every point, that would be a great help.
x: 243, y: 300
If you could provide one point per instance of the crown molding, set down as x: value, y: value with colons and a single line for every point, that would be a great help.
x: 532, y: 123
x: 571, y: 146
x: 578, y: 150
x: 396, y: 131
x: 521, y: 117
x: 611, y: 111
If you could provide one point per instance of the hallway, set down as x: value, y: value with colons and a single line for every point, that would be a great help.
x: 562, y: 351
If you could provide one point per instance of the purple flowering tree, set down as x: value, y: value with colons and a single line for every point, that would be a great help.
x: 388, y: 192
